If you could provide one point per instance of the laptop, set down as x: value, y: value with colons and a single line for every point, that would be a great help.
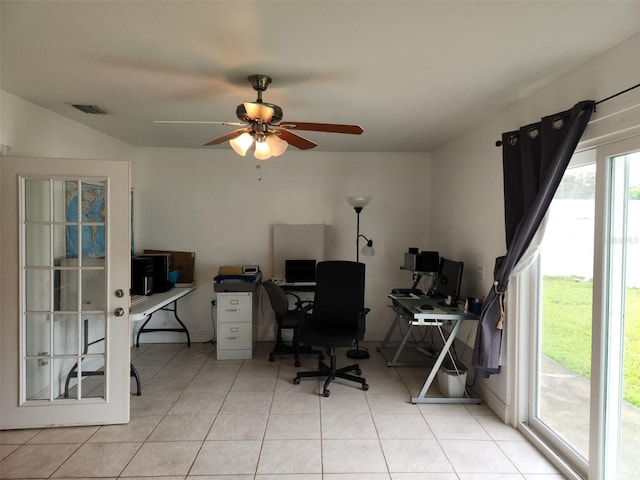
x: 300, y: 272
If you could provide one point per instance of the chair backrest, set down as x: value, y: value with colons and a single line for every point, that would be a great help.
x: 339, y: 293
x: 277, y: 297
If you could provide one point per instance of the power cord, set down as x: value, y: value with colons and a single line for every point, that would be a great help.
x: 214, y: 339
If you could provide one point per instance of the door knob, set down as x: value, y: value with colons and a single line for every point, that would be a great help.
x: 120, y: 293
x: 119, y: 312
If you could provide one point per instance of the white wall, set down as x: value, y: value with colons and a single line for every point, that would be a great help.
x: 210, y: 202
x: 32, y: 131
x: 467, y: 172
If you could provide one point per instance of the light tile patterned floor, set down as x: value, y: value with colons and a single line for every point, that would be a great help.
x: 199, y: 418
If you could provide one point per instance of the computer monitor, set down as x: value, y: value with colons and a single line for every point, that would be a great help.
x: 296, y: 271
x: 424, y: 262
x: 161, y: 262
x: 449, y: 279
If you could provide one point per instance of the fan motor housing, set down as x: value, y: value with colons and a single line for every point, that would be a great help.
x: 241, y: 113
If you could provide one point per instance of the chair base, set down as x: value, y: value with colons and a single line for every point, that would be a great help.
x: 331, y: 372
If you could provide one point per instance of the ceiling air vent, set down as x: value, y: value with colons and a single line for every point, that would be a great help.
x: 90, y: 109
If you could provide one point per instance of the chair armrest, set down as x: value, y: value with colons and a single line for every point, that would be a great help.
x: 362, y: 314
x: 304, y: 304
x: 293, y: 295
x: 305, y: 309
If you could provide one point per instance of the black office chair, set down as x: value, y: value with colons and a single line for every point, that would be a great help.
x: 287, y: 319
x: 335, y: 319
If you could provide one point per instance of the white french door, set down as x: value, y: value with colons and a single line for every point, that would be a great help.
x: 65, y: 292
x: 582, y: 398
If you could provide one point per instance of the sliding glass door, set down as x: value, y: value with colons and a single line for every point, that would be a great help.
x: 617, y: 334
x: 584, y: 360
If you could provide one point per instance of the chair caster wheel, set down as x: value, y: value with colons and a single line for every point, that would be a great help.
x: 365, y: 387
x: 296, y: 381
x: 358, y: 372
x: 326, y: 392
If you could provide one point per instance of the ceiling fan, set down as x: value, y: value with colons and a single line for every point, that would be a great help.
x: 262, y: 125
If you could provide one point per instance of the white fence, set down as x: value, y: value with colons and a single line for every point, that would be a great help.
x: 568, y: 245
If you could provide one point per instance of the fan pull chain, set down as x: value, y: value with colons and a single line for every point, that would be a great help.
x: 258, y: 167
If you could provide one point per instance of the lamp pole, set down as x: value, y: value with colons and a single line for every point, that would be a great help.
x: 358, y: 210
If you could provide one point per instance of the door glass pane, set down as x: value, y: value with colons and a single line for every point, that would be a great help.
x: 59, y: 243
x: 60, y: 201
x: 93, y: 284
x: 67, y: 289
x: 66, y: 371
x: 623, y: 321
x: 65, y: 335
x: 93, y: 334
x: 38, y: 245
x: 564, y: 332
x: 38, y: 327
x: 38, y: 191
x: 38, y: 374
x: 39, y: 295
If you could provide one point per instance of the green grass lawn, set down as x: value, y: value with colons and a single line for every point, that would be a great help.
x: 567, y: 330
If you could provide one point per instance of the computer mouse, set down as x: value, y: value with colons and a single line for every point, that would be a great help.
x: 426, y: 307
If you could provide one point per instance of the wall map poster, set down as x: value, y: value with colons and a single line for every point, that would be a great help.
x: 92, y: 211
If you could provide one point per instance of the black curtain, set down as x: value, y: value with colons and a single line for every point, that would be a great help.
x: 534, y: 159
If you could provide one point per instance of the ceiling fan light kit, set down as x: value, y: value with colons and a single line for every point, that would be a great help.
x: 262, y: 127
x: 241, y: 143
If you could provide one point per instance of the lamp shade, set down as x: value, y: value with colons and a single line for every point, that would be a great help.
x: 358, y: 201
x: 277, y: 145
x: 368, y: 250
x: 262, y: 150
x: 242, y: 143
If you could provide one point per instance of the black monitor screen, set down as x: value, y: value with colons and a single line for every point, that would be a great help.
x: 300, y: 271
x: 161, y: 262
x: 449, y: 279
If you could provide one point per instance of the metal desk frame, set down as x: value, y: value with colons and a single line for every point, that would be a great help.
x: 160, y: 301
x: 408, y: 309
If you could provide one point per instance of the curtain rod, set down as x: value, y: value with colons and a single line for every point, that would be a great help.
x: 499, y: 142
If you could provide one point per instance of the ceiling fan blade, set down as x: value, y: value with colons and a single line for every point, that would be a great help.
x: 323, y: 127
x: 224, y: 138
x: 195, y: 122
x: 296, y: 140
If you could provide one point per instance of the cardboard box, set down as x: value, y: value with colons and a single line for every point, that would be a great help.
x: 229, y: 270
x: 182, y: 262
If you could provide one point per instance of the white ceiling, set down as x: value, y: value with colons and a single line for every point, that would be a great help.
x: 413, y: 74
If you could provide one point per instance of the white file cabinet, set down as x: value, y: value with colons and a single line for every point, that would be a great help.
x: 237, y: 326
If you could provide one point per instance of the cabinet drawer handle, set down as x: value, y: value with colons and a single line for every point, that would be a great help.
x: 231, y: 310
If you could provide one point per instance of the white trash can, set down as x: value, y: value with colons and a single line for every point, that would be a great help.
x: 452, y: 382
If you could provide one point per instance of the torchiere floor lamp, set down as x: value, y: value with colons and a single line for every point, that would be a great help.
x: 358, y: 203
